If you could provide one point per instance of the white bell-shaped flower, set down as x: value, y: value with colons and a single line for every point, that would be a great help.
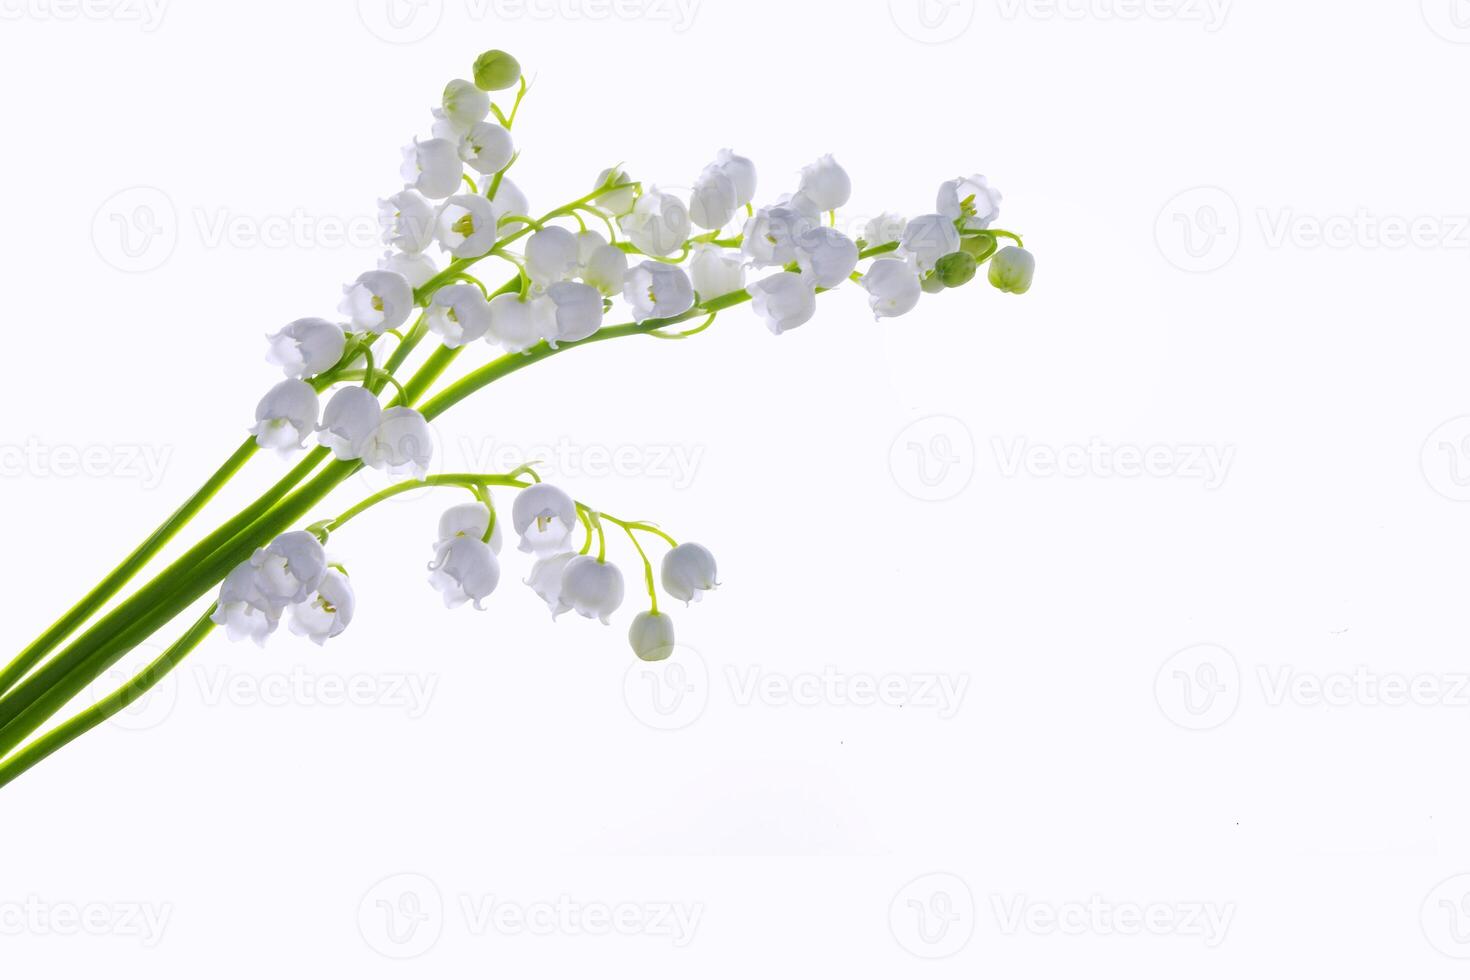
x: 971, y: 198
x: 577, y: 311
x: 286, y: 415
x: 551, y: 255
x: 515, y: 324
x: 289, y: 568
x: 544, y: 516
x: 783, y: 300
x: 825, y: 184
x: 466, y: 226
x: 771, y: 233
x: 306, y: 347
x: 407, y: 221
x: 658, y: 224
x: 432, y: 167
x: 652, y: 636
x: 885, y: 228
x: 1012, y: 269
x: 459, y: 313
x: 826, y: 256
x: 487, y: 148
x: 592, y: 588
x: 351, y: 416
x: 656, y: 290
x: 715, y: 271
x: 545, y: 581
x: 401, y: 443
x: 328, y: 611
x: 415, y: 267
x: 600, y: 265
x: 465, y: 570
x: 928, y: 238
x: 687, y: 571
x: 614, y: 203
x: 242, y: 608
x: 508, y: 198
x: 893, y: 287
x: 464, y: 104
x: 741, y: 171
x: 713, y: 201
x: 469, y: 521
x: 377, y: 302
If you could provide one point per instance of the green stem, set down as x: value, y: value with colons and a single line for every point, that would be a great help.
x: 89, y: 719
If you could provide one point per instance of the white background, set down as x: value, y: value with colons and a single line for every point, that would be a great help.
x: 1217, y: 196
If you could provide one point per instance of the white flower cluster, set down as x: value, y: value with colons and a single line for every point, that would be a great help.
x: 291, y: 575
x: 668, y: 257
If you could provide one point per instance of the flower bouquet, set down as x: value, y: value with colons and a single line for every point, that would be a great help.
x: 354, y: 386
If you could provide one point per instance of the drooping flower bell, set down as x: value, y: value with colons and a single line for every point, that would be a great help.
x: 328, y: 611
x: 617, y: 201
x: 826, y: 257
x: 286, y: 416
x: 508, y: 198
x: 893, y: 287
x: 377, y: 301
x: 551, y: 256
x: 783, y: 300
x: 487, y: 148
x: 515, y: 324
x: 741, y: 171
x: 416, y: 267
x: 885, y: 228
x: 928, y: 238
x: 465, y: 570
x: 658, y: 224
x: 714, y: 199
x: 687, y: 571
x: 306, y: 347
x: 600, y: 265
x: 242, y: 608
x: 290, y: 568
x: 971, y: 198
x: 576, y: 311
x: 544, y: 516
x: 545, y: 580
x: 351, y: 416
x: 469, y: 520
x: 825, y: 184
x: 401, y: 444
x: 464, y: 104
x: 407, y: 221
x: 466, y: 226
x: 459, y: 313
x: 771, y: 234
x: 656, y: 289
x: 652, y: 636
x: 715, y: 271
x: 432, y: 167
x: 593, y: 588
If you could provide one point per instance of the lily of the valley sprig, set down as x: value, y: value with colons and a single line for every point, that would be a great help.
x: 349, y: 400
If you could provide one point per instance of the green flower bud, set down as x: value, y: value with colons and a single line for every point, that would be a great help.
x: 495, y: 70
x: 956, y: 268
x: 931, y: 283
x: 1012, y: 269
x: 979, y: 246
